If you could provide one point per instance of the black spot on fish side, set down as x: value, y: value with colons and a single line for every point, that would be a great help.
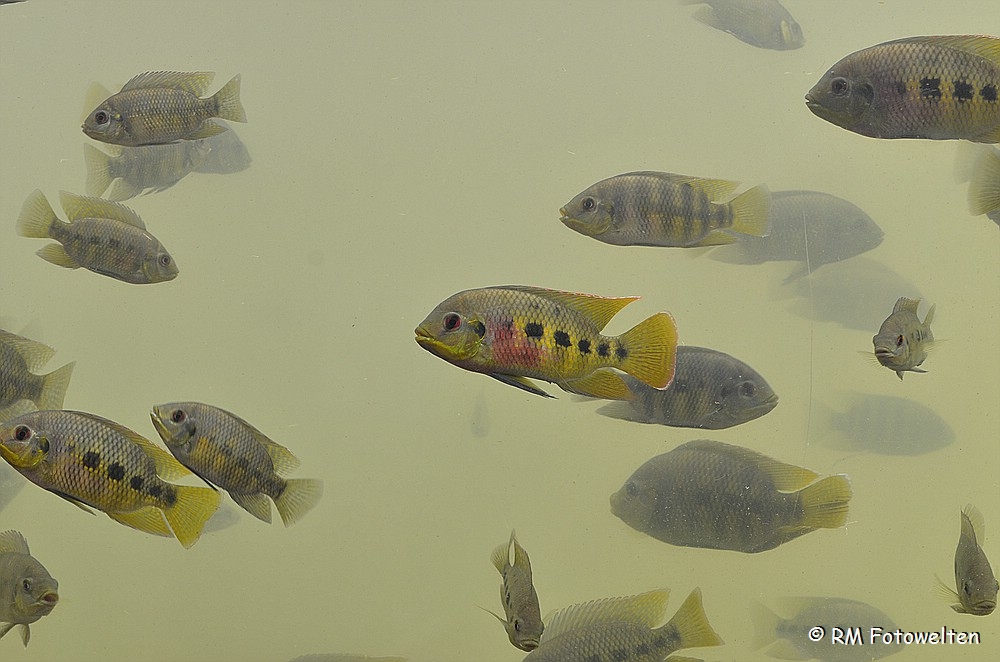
x: 621, y: 353
x: 900, y: 86
x: 963, y: 91
x: 479, y: 328
x: 642, y: 649
x: 930, y: 88
x: 170, y: 496
x: 603, y: 350
x: 619, y: 655
x: 562, y: 339
x: 584, y: 346
x: 989, y: 92
x: 91, y: 459
x: 116, y: 471
x: 136, y: 483
x: 534, y: 330
x: 154, y: 490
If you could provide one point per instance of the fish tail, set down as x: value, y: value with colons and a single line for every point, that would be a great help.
x: 98, y: 170
x: 188, y: 514
x: 298, y: 498
x: 751, y: 211
x: 691, y: 624
x: 227, y: 101
x: 984, y: 185
x: 765, y: 625
x: 36, y: 216
x: 54, y: 387
x: 824, y: 503
x: 652, y: 350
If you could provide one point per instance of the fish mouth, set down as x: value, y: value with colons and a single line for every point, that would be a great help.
x: 528, y: 644
x: 983, y: 607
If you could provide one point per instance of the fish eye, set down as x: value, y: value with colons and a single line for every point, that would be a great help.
x: 164, y: 260
x: 22, y: 433
x: 747, y: 389
x: 840, y: 86
x: 26, y: 585
x: 631, y: 489
x: 178, y: 416
x: 967, y: 587
x: 899, y: 340
x: 102, y: 117
x: 588, y: 204
x: 517, y: 625
x: 452, y: 322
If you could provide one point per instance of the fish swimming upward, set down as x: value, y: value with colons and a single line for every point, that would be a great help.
x: 27, y: 590
x: 523, y: 620
x: 902, y: 341
x: 977, y: 585
x: 936, y: 87
x: 513, y: 333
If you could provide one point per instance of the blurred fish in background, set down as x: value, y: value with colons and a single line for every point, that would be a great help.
x: 10, y: 484
x: 974, y: 579
x: 902, y: 341
x: 130, y: 171
x: 21, y: 389
x: 788, y: 637
x: 980, y: 166
x: 760, y: 23
x: 27, y: 590
x: 939, y: 87
x: 338, y: 657
x: 810, y: 227
x: 522, y: 615
x: 103, y: 236
x: 711, y: 390
x: 887, y: 425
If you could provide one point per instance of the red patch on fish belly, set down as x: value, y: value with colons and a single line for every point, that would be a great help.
x: 511, y: 348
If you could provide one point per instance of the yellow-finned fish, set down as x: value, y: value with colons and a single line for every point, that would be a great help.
x: 93, y: 462
x: 936, y: 87
x: 624, y: 630
x: 663, y: 209
x: 226, y: 451
x: 27, y: 590
x: 163, y: 106
x: 515, y: 332
x: 523, y: 621
x: 977, y: 585
x: 21, y: 390
x: 902, y: 341
x: 105, y: 237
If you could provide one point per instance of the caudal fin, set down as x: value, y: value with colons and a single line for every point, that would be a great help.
x: 299, y: 497
x: 765, y: 625
x: 193, y: 507
x: 54, y: 387
x: 751, y: 210
x: 652, y: 350
x: 824, y: 503
x: 984, y: 183
x: 36, y: 216
x: 691, y: 624
x: 228, y: 101
x: 98, y: 170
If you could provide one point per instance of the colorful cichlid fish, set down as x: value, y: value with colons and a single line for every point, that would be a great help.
x: 513, y: 333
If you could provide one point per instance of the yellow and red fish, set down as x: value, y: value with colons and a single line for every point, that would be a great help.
x: 515, y: 332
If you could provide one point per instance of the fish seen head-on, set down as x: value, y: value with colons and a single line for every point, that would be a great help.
x: 451, y: 335
x: 23, y: 447
x: 37, y: 592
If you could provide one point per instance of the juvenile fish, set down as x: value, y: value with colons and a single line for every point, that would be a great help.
x: 96, y: 463
x: 977, y: 585
x: 227, y: 452
x: 760, y: 23
x: 902, y: 341
x: 21, y: 389
x: 523, y: 618
x: 27, y: 590
x: 664, y: 209
x: 513, y: 333
x: 624, y: 630
x: 104, y: 237
x: 163, y: 106
x: 936, y: 87
x: 718, y: 496
x: 711, y: 390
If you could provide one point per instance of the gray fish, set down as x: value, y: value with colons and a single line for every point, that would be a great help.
x: 228, y: 452
x: 27, y: 590
x: 129, y: 171
x: 102, y: 236
x: 902, y: 341
x: 809, y: 227
x: 718, y: 496
x: 164, y: 106
x: 226, y: 154
x: 711, y: 390
x: 789, y: 637
x: 523, y: 621
x: 888, y: 425
x: 624, y: 630
x: 760, y: 23
x: 21, y: 389
x: 10, y: 484
x: 977, y: 585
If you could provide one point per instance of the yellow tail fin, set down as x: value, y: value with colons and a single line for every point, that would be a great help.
x: 652, y: 350
x: 299, y: 497
x: 751, y: 210
x: 691, y: 624
x: 193, y: 507
x: 36, y: 216
x: 54, y: 387
x: 824, y: 504
x: 228, y: 100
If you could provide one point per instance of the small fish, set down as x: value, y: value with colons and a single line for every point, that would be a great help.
x: 523, y: 620
x: 27, y: 590
x: 664, y: 209
x: 974, y: 578
x: 129, y: 171
x: 984, y: 184
x: 104, y: 237
x: 21, y: 390
x: 711, y: 390
x: 789, y: 638
x: 888, y: 425
x: 938, y: 87
x: 902, y: 341
x: 760, y: 23
x: 515, y: 332
x: 93, y: 462
x: 226, y: 154
x: 164, y: 106
x: 227, y: 452
x: 718, y: 496
x: 624, y: 630
x: 809, y: 227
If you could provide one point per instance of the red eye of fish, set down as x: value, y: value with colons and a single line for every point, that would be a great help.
x: 839, y: 86
x: 178, y: 416
x: 452, y: 322
x: 101, y: 117
x: 22, y: 432
x: 588, y: 204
